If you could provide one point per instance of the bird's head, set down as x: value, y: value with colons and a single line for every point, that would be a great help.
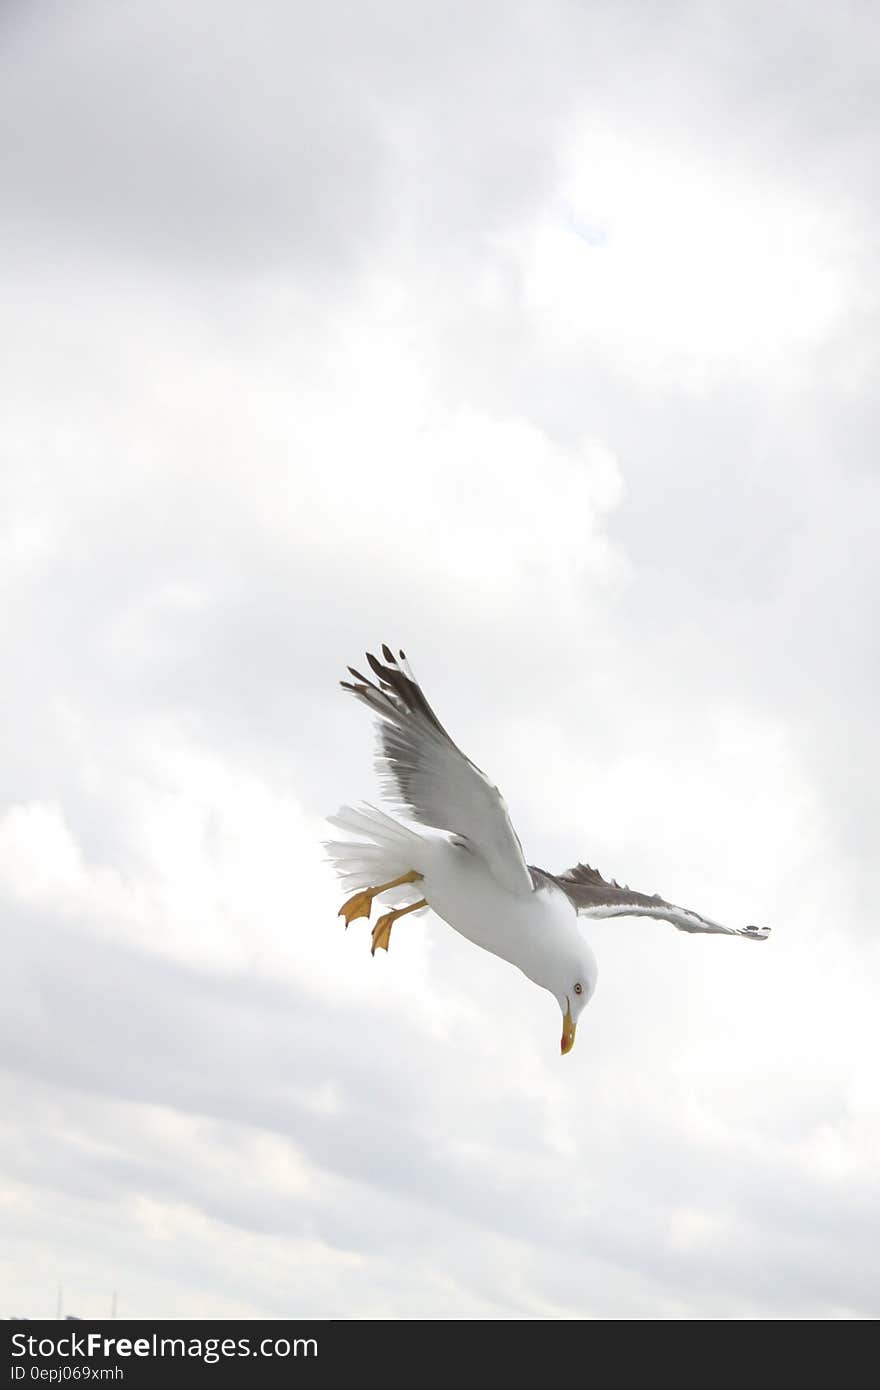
x: 574, y: 988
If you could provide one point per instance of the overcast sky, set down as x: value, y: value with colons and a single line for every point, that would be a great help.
x: 541, y: 340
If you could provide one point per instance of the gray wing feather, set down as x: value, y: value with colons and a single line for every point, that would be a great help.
x: 593, y: 896
x: 429, y: 776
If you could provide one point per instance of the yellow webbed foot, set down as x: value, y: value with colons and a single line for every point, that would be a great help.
x: 382, y: 929
x: 362, y: 903
x: 382, y: 932
x: 358, y: 906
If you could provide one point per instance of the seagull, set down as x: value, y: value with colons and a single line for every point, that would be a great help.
x: 466, y: 858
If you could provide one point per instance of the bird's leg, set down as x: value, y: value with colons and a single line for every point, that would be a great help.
x: 361, y: 904
x: 382, y: 929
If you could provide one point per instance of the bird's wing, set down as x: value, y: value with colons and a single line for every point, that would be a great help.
x: 430, y: 778
x: 592, y: 896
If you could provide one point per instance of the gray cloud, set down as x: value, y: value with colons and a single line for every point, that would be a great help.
x: 239, y: 1057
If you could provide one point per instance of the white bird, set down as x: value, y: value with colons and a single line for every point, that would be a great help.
x: 470, y: 866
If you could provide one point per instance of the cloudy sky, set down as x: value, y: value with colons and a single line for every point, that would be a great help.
x: 540, y: 339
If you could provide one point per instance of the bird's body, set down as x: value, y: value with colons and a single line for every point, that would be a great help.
x: 525, y: 929
x: 466, y: 860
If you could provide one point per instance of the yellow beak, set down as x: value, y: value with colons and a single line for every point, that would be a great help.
x: 568, y: 1030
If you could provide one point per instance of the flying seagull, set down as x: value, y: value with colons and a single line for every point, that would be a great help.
x: 468, y: 861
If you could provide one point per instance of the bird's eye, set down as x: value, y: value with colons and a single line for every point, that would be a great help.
x: 578, y: 989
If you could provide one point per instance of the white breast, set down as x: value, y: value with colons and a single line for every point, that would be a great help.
x: 528, y: 929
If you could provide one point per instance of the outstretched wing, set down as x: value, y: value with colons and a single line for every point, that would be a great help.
x: 592, y: 896
x: 430, y: 778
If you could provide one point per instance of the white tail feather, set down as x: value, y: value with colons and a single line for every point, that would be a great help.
x: 385, y: 849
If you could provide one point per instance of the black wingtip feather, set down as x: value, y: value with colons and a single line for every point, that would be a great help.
x: 401, y: 693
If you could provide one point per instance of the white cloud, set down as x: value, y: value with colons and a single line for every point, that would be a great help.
x: 673, y: 262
